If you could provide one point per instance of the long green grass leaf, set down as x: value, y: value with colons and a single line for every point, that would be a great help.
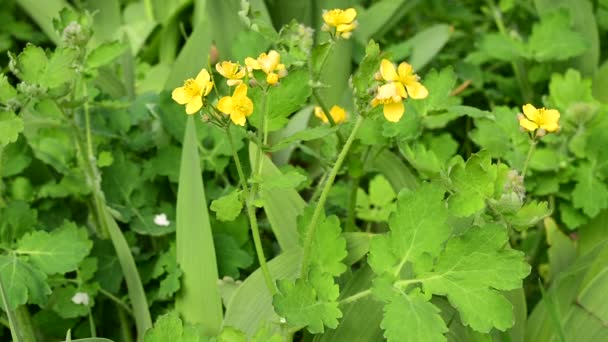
x: 137, y: 295
x: 199, y: 300
x: 393, y: 168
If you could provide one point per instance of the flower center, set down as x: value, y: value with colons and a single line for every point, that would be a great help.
x: 191, y: 87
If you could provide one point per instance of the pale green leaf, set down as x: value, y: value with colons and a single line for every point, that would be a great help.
x: 590, y: 194
x: 228, y: 207
x: 552, y: 38
x: 10, y: 127
x: 59, y: 251
x: 472, y: 184
x: 104, y: 54
x: 22, y: 282
x: 411, y: 317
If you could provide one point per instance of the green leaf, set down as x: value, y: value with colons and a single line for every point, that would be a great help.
x: 364, y: 76
x: 60, y: 68
x: 169, y: 327
x: 282, y: 100
x: 552, y: 38
x: 104, y: 54
x: 166, y: 265
x: 17, y: 219
x: 31, y: 63
x: 439, y: 84
x: 230, y: 256
x: 309, y: 304
x: 590, y: 194
x: 289, y: 180
x: 530, y: 214
x: 59, y: 251
x: 380, y: 203
x: 304, y: 135
x: 569, y: 89
x: 199, y: 300
x: 411, y: 317
x: 65, y: 307
x: 7, y: 91
x: 427, y: 43
x: 472, y: 184
x: 10, y: 127
x: 470, y: 272
x: 328, y: 246
x: 418, y: 227
x: 22, y: 282
x: 501, y: 47
x: 228, y: 207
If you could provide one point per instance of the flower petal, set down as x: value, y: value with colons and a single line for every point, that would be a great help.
x: 417, y: 90
x: 238, y: 119
x: 338, y: 114
x: 240, y: 91
x: 527, y: 124
x: 246, y: 106
x: 225, y: 105
x: 530, y: 112
x: 550, y: 127
x: 232, y: 82
x: 405, y: 69
x: 208, y: 87
x: 180, y: 95
x: 252, y: 63
x: 348, y: 15
x: 194, y: 105
x: 320, y: 114
x: 202, y: 78
x: 394, y: 111
x: 551, y: 115
x: 400, y: 90
x: 387, y: 70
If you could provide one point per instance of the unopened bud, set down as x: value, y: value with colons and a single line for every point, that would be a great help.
x: 540, y: 132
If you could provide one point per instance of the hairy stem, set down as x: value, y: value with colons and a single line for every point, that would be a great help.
x: 528, y: 157
x: 312, y: 226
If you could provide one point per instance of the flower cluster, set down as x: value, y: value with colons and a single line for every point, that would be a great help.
x: 238, y: 106
x: 342, y: 21
x: 401, y: 82
x: 270, y: 64
x: 539, y: 120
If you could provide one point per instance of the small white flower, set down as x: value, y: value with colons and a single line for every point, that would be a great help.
x: 81, y: 298
x: 161, y: 220
x: 282, y: 320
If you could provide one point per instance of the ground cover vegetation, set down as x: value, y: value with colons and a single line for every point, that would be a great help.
x: 274, y: 170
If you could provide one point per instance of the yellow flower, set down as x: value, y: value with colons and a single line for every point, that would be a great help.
x: 342, y: 20
x: 405, y: 77
x: 533, y: 119
x: 337, y: 113
x: 232, y: 71
x: 191, y: 94
x: 391, y: 96
x: 270, y: 64
x: 238, y: 106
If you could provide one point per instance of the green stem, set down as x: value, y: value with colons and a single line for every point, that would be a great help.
x: 312, y: 226
x: 528, y: 157
x: 257, y: 241
x: 117, y: 301
x: 92, y: 323
x: 12, y: 318
x: 517, y: 65
x: 321, y: 103
x: 125, y: 329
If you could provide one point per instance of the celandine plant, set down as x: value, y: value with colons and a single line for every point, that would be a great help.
x: 309, y: 201
x: 446, y: 253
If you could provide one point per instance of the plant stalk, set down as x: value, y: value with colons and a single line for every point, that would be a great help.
x: 12, y: 318
x: 528, y: 157
x: 252, y: 218
x: 312, y: 226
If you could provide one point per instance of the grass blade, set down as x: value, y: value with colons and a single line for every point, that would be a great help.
x: 199, y: 299
x: 393, y: 168
x: 137, y: 295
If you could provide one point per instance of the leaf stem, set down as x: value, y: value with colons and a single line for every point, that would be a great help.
x: 528, y: 157
x: 117, y: 301
x: 312, y: 226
